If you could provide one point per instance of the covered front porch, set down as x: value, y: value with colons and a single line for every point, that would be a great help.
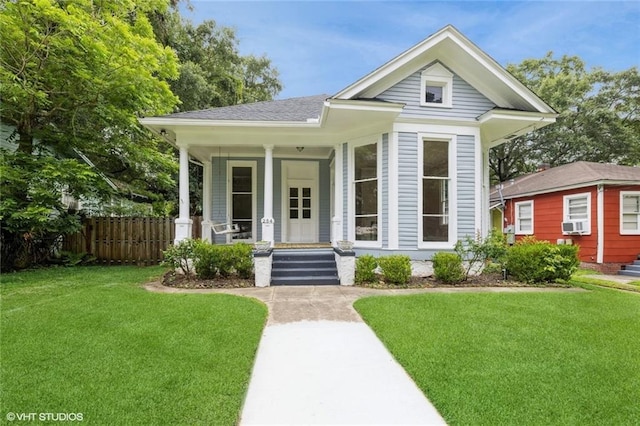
x: 279, y: 195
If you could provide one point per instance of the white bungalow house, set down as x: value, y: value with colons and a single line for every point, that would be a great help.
x: 396, y: 162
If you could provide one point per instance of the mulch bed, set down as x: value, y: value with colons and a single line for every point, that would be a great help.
x: 171, y: 279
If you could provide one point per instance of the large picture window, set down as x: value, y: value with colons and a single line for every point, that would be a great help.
x: 629, y: 212
x: 365, y: 190
x: 435, y: 191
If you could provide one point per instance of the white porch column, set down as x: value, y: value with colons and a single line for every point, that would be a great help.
x: 267, y: 220
x: 336, y: 221
x: 207, y: 176
x: 183, y: 222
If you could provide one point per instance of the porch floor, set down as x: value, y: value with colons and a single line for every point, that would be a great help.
x: 301, y: 245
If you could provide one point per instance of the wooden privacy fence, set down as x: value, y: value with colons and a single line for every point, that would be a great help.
x: 126, y: 240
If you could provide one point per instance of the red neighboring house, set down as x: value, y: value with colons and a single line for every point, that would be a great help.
x: 596, y: 206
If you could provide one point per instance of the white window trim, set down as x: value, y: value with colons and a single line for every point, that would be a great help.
x: 254, y: 196
x: 437, y: 75
x: 351, y: 209
x: 516, y: 206
x: 627, y: 231
x: 565, y: 210
x: 453, y: 190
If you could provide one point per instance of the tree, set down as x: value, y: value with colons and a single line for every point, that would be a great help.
x: 598, y: 117
x: 213, y: 73
x: 75, y: 76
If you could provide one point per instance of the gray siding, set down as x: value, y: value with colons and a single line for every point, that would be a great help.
x: 384, y: 175
x: 408, y: 190
x: 467, y: 102
x: 324, y: 234
x: 466, y: 169
x: 345, y: 190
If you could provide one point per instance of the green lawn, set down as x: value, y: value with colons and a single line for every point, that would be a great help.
x: 518, y: 358
x: 90, y: 340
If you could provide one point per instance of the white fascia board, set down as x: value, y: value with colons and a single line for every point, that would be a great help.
x: 160, y: 121
x: 468, y: 47
x: 392, y: 65
x: 506, y: 114
x: 502, y: 74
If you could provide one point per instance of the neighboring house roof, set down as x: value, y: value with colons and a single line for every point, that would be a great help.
x: 300, y: 109
x: 568, y: 176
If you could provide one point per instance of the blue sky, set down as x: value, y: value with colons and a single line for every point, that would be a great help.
x: 322, y: 47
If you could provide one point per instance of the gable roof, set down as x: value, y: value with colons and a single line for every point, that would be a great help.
x: 568, y: 176
x: 300, y: 109
x: 465, y: 59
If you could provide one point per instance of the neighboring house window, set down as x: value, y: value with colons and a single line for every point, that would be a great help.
x: 436, y: 84
x: 365, y: 186
x: 577, y: 208
x: 524, y: 217
x: 629, y: 212
x: 435, y: 191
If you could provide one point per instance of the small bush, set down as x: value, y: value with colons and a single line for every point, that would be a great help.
x: 478, y: 251
x: 396, y: 269
x: 533, y: 261
x: 365, y: 269
x: 206, y: 259
x: 447, y: 267
x: 243, y: 260
x: 223, y: 260
x: 180, y: 256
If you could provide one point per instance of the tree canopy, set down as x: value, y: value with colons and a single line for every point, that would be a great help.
x: 599, y: 117
x: 75, y: 77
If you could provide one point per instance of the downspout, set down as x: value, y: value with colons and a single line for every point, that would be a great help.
x: 600, y: 212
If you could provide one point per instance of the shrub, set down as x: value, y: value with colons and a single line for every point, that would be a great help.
x: 180, y: 256
x: 365, y: 269
x: 447, y: 267
x: 533, y: 261
x: 243, y: 260
x: 396, y: 268
x: 478, y: 251
x: 223, y: 260
x: 205, y: 260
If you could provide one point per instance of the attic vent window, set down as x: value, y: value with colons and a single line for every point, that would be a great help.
x: 436, y: 87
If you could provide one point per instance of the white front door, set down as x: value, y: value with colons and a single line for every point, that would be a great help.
x: 302, y: 218
x: 300, y: 202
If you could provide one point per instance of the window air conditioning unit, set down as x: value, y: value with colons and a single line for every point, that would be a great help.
x: 574, y: 227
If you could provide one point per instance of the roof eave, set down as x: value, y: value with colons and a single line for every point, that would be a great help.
x: 571, y: 187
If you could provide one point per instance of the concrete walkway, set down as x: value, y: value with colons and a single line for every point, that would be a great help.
x: 318, y: 363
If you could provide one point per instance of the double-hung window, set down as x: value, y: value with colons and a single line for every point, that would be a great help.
x: 629, y: 212
x: 577, y: 208
x: 365, y: 190
x: 524, y: 217
x: 435, y: 191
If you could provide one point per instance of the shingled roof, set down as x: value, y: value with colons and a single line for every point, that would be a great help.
x: 578, y: 174
x: 292, y: 109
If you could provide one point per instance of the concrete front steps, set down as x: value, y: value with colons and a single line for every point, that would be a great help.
x: 632, y: 270
x: 304, y: 267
